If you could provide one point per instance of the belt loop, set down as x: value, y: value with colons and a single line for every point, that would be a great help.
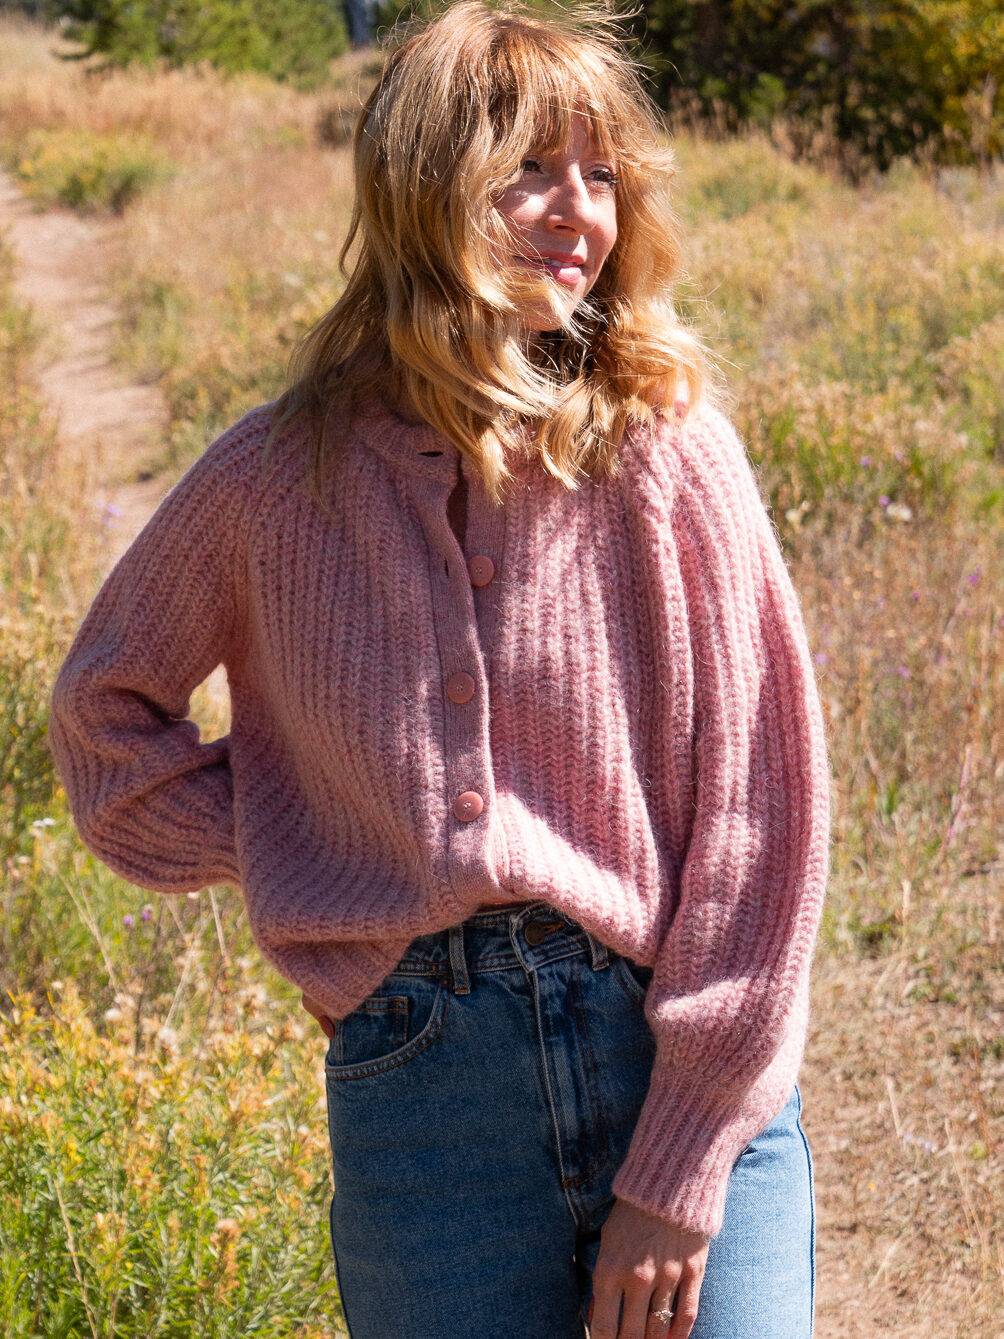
x: 600, y: 956
x: 460, y: 982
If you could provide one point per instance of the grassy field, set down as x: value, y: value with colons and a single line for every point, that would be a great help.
x: 162, y: 1139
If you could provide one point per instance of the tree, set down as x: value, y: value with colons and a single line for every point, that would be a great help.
x: 288, y: 39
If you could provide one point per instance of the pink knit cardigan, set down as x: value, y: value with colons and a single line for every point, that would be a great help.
x: 643, y: 746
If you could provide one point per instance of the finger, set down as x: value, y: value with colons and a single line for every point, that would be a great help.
x: 605, y: 1310
x: 637, y: 1316
x: 685, y: 1307
x: 659, y: 1317
x: 314, y: 1009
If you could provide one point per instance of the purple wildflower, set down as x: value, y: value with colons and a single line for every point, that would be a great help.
x: 865, y: 461
x: 146, y: 913
x: 821, y: 658
x: 974, y: 577
x: 884, y: 500
x: 128, y: 921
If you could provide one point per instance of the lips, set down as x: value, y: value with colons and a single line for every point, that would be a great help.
x: 566, y: 268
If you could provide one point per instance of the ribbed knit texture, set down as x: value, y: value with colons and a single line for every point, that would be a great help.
x: 645, y: 733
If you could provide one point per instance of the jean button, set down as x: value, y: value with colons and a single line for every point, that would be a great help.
x: 536, y: 932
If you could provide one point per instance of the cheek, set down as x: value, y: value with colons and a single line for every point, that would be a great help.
x: 604, y: 244
x: 519, y: 210
x: 609, y: 232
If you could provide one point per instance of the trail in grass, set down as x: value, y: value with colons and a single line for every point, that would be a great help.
x: 104, y: 420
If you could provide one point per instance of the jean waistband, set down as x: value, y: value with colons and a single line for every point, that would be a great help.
x: 499, y: 940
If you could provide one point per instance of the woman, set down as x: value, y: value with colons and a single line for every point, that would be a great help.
x: 526, y: 785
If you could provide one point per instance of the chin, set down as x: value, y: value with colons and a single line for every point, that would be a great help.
x: 541, y: 321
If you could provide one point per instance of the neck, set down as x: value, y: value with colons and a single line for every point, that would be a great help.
x: 401, y: 403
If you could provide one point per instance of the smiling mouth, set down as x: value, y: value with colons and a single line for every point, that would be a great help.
x: 567, y: 272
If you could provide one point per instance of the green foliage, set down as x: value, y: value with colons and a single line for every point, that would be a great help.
x: 158, y: 1194
x: 892, y: 79
x: 88, y: 171
x: 970, y: 373
x: 867, y: 324
x: 288, y: 39
x: 886, y: 80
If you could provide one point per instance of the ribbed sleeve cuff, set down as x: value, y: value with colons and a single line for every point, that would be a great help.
x: 679, y: 1161
x: 686, y: 1141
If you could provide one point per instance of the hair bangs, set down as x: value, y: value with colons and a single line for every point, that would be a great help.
x: 539, y: 79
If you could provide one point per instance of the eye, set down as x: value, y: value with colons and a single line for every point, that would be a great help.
x: 604, y: 176
x: 530, y: 165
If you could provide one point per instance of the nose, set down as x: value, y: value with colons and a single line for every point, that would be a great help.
x: 571, y: 207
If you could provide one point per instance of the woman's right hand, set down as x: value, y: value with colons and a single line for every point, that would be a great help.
x: 317, y: 1011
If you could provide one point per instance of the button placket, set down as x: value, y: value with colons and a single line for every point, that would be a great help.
x: 471, y: 859
x: 484, y: 539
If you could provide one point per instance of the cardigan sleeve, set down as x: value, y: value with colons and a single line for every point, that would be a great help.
x: 148, y: 798
x: 729, y: 993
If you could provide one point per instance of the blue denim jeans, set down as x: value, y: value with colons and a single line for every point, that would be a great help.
x: 479, y: 1104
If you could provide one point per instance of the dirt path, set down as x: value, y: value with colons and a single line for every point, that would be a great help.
x: 104, y: 420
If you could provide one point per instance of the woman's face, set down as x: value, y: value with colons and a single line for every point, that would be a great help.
x: 563, y: 210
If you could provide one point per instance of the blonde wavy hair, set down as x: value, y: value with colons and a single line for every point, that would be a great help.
x: 429, y: 316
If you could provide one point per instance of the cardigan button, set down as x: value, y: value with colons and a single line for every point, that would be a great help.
x: 460, y: 688
x: 468, y: 806
x: 481, y: 569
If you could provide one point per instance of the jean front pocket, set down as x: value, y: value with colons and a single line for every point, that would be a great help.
x: 397, y: 1022
x: 632, y: 976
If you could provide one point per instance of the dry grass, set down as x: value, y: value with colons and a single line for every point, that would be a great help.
x: 865, y: 337
x: 904, y: 1066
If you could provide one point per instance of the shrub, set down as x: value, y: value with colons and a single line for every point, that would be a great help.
x: 34, y: 533
x: 88, y: 171
x: 160, y: 1193
x: 741, y: 175
x: 970, y: 370
x: 31, y: 645
x: 891, y: 79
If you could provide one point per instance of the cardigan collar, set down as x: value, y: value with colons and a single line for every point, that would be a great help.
x: 414, y: 448
x: 420, y: 451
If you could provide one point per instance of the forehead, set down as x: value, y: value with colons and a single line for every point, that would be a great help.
x: 558, y: 126
x: 577, y: 131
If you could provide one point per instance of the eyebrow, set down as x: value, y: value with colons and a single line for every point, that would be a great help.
x: 593, y: 150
